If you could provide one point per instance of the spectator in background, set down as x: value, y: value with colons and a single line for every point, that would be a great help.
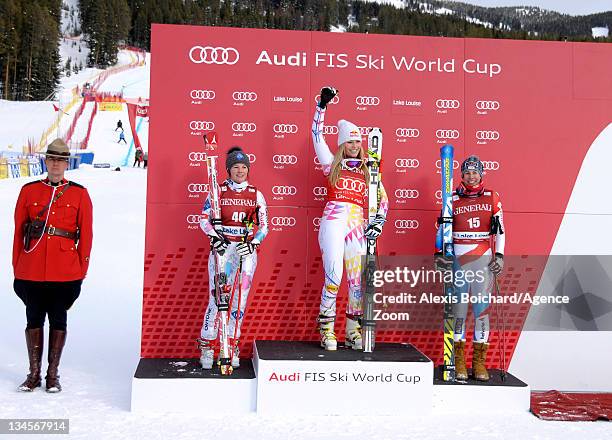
x: 119, y: 125
x: 137, y: 158
x: 146, y: 159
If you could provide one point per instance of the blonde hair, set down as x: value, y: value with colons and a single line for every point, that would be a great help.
x: 336, y: 165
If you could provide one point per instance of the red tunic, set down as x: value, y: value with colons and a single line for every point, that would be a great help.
x: 54, y: 258
x: 472, y: 220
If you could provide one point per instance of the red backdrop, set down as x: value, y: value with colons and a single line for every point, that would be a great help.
x: 529, y: 109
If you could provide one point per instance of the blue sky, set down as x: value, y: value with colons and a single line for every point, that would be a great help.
x: 572, y: 7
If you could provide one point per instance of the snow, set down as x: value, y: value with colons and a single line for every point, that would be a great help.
x: 133, y: 82
x: 444, y: 11
x: 600, y: 32
x: 22, y: 121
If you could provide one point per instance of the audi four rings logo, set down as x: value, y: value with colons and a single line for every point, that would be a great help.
x: 364, y: 131
x: 487, y: 105
x: 281, y: 190
x: 447, y: 103
x: 202, y: 94
x: 330, y: 129
x: 439, y: 164
x: 283, y: 221
x: 489, y: 135
x: 438, y: 194
x: 214, y: 55
x: 202, y: 125
x: 335, y: 99
x: 367, y: 100
x: 284, y: 159
x: 319, y: 191
x: 447, y: 134
x: 197, y: 187
x: 193, y: 219
x: 490, y: 165
x: 195, y: 156
x: 244, y: 127
x: 351, y: 184
x: 316, y: 161
x: 244, y: 96
x: 406, y: 193
x: 407, y: 163
x: 285, y: 128
x: 406, y: 224
x: 316, y: 222
x: 252, y: 157
x: 407, y: 132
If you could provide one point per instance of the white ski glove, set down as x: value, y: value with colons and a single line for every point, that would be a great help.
x: 374, y: 229
x: 246, y: 249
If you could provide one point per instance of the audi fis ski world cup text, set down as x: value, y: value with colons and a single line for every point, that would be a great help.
x: 229, y: 56
x: 342, y: 377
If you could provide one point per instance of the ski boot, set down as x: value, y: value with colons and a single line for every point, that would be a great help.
x: 326, y: 330
x: 353, y: 334
x: 34, y: 342
x: 478, y: 361
x: 235, y: 354
x: 207, y: 355
x: 460, y: 368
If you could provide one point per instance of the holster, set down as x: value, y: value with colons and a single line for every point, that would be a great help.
x: 32, y: 230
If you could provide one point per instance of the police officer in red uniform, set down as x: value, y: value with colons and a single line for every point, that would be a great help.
x: 51, y: 248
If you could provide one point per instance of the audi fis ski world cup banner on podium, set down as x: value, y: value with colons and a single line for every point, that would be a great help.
x: 515, y: 104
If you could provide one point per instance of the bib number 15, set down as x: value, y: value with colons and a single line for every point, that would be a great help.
x: 474, y: 222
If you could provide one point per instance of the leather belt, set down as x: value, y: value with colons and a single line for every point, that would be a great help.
x: 52, y: 230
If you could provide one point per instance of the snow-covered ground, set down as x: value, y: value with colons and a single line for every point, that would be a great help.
x: 134, y: 83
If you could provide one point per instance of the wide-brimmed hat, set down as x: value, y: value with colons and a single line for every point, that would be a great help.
x: 58, y: 148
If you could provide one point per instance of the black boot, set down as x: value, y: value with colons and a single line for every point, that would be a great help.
x: 34, y: 342
x: 57, y: 338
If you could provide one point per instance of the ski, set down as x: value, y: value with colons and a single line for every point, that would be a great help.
x: 444, y: 241
x: 222, y: 288
x: 368, y: 323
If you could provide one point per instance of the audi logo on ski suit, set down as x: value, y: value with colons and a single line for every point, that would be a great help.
x: 490, y: 165
x: 285, y: 128
x: 439, y: 164
x: 214, y: 55
x: 487, y: 105
x: 407, y: 163
x: 282, y: 221
x: 284, y: 159
x: 407, y: 132
x: 282, y: 190
x: 202, y: 125
x: 402, y: 193
x: 197, y: 187
x: 244, y: 96
x: 447, y: 134
x: 351, y: 184
x: 196, y: 156
x: 489, y: 135
x: 367, y: 100
x: 202, y: 94
x: 335, y: 99
x: 406, y: 224
x: 194, y: 219
x: 244, y: 127
x: 319, y: 191
x: 330, y: 129
x: 448, y: 103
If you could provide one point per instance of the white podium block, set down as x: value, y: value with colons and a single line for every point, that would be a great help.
x: 302, y: 378
x: 181, y: 386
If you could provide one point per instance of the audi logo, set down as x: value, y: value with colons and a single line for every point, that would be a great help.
x: 252, y: 158
x: 490, y: 165
x: 439, y: 164
x: 244, y: 96
x: 194, y: 219
x: 367, y: 100
x: 195, y: 156
x: 406, y: 193
x: 438, y: 194
x: 447, y: 134
x: 281, y: 190
x: 407, y: 163
x: 244, y: 127
x: 335, y: 99
x: 447, y: 103
x: 284, y: 159
x: 316, y: 222
x: 202, y: 125
x: 316, y: 161
x: 347, y: 183
x: 202, y: 94
x: 197, y: 187
x: 406, y: 224
x: 330, y: 129
x: 285, y: 128
x: 487, y: 105
x: 282, y: 221
x: 489, y: 135
x: 319, y: 191
x: 407, y: 132
x: 364, y: 131
x: 214, y: 55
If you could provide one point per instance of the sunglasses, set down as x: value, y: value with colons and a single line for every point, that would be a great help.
x: 57, y: 159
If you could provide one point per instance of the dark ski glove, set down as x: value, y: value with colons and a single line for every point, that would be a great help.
x: 327, y: 94
x: 442, y: 263
x: 497, y: 263
x: 374, y: 229
x: 219, y: 244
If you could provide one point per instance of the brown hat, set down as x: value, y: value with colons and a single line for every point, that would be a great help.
x: 58, y: 148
